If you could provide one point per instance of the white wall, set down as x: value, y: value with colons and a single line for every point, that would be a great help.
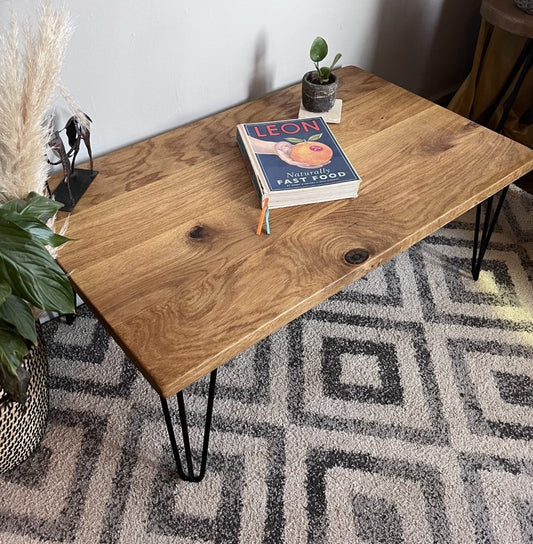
x: 139, y: 68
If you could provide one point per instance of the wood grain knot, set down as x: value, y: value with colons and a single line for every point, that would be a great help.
x: 356, y: 256
x: 197, y: 233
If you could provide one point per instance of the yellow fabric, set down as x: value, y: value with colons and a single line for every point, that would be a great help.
x: 495, y: 55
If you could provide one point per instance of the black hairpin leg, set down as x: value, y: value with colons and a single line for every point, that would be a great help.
x: 520, y: 69
x: 526, y: 66
x: 188, y: 474
x: 489, y: 223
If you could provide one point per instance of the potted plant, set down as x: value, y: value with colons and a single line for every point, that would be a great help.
x: 30, y: 278
x: 29, y: 275
x: 319, y: 86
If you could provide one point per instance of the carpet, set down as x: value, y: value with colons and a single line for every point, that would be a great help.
x: 398, y: 411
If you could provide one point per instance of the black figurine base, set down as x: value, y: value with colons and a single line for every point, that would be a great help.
x: 80, y: 180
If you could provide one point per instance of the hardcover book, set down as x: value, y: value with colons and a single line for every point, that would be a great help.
x: 296, y: 161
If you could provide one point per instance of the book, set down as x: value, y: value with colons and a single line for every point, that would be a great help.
x: 296, y: 161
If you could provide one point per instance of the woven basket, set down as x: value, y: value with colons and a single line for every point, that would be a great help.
x: 525, y: 5
x: 22, y: 426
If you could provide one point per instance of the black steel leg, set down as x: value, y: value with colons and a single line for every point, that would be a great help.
x: 189, y: 475
x: 527, y: 63
x: 522, y: 66
x: 489, y: 223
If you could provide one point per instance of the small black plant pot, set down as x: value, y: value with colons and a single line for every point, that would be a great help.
x: 318, y: 98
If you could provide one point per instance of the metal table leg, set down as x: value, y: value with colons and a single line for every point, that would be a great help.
x: 489, y: 223
x: 188, y: 474
x: 520, y: 69
x: 522, y: 66
x: 70, y: 318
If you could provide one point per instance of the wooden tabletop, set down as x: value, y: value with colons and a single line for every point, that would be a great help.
x: 506, y: 15
x: 166, y: 252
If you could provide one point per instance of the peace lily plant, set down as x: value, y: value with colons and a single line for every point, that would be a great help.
x: 29, y: 275
x: 30, y: 278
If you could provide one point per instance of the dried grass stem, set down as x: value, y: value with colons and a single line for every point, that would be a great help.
x: 30, y: 65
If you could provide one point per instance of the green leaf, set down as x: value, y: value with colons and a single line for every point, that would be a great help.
x: 324, y: 74
x: 17, y: 313
x: 15, y: 386
x: 12, y: 348
x: 35, y: 206
x: 37, y: 228
x: 315, y: 137
x: 15, y: 205
x: 294, y: 140
x: 335, y: 60
x: 5, y: 291
x: 319, y: 49
x: 39, y: 206
x: 32, y: 273
x: 14, y: 381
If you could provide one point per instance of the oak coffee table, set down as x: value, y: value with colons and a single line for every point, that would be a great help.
x: 166, y: 254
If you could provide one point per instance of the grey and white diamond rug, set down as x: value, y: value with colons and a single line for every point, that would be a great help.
x: 398, y: 411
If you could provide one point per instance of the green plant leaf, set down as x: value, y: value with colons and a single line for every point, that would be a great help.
x: 335, y: 60
x: 315, y: 137
x: 34, y: 205
x: 15, y: 386
x: 324, y: 74
x: 15, y: 205
x: 17, y: 313
x: 27, y: 214
x: 13, y: 377
x: 294, y: 140
x: 5, y: 291
x: 32, y: 273
x: 37, y: 228
x: 319, y: 49
x: 39, y: 206
x: 12, y: 348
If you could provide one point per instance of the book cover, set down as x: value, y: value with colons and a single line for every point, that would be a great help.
x: 296, y: 161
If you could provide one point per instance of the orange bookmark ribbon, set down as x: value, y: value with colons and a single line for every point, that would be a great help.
x: 262, y: 218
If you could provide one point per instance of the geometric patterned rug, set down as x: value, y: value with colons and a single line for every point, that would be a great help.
x: 398, y: 411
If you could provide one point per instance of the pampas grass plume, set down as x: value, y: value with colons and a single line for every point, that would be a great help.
x: 30, y: 63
